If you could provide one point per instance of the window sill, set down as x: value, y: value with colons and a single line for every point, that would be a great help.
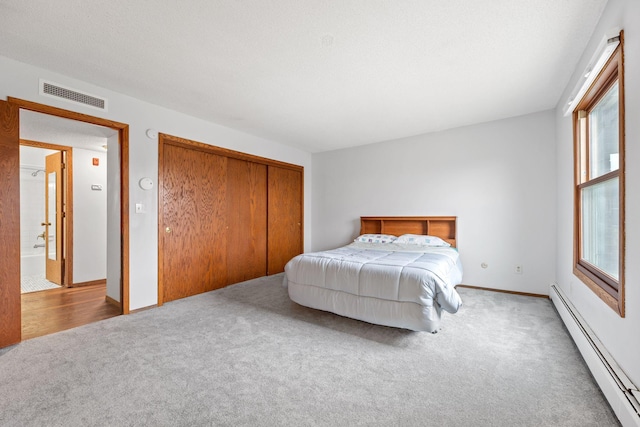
x: 615, y: 303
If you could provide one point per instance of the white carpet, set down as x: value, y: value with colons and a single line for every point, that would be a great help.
x: 35, y: 284
x: 246, y: 355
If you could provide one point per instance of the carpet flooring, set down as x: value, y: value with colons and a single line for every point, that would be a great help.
x: 246, y: 355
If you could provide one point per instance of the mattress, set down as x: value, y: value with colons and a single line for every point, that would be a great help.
x: 403, y: 286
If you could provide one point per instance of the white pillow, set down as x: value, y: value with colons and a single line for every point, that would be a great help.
x: 376, y: 238
x: 418, y: 239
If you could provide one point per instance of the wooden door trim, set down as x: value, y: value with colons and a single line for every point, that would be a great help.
x: 10, y: 316
x: 66, y: 114
x: 161, y: 143
x: 213, y: 149
x: 68, y: 270
x: 123, y: 137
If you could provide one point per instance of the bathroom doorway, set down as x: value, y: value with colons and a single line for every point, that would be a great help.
x: 46, y: 216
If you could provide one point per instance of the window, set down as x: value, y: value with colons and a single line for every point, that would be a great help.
x: 599, y: 184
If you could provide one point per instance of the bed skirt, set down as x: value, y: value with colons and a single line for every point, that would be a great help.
x: 398, y: 314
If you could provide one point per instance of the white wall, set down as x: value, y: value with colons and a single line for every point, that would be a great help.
x: 32, y: 211
x: 619, y: 335
x: 32, y: 203
x: 89, y: 216
x: 21, y: 81
x: 498, y: 178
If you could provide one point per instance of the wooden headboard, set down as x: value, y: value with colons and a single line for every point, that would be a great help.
x: 440, y: 226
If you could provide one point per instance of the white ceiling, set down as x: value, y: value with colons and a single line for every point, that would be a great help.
x: 316, y: 74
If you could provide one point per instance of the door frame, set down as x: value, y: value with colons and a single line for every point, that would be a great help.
x: 13, y: 197
x: 10, y: 313
x: 123, y: 139
x: 67, y: 275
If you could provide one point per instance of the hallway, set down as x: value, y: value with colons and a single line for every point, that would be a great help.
x: 55, y: 310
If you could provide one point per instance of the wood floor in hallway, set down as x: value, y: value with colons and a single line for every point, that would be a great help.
x: 55, y: 310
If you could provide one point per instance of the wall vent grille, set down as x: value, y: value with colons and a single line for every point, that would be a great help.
x: 77, y: 97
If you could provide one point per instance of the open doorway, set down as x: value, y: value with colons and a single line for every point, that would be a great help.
x: 46, y: 216
x: 12, y: 113
x: 63, y: 222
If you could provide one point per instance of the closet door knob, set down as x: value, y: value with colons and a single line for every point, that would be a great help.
x: 168, y: 229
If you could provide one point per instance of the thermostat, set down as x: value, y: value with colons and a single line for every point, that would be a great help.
x: 146, y: 183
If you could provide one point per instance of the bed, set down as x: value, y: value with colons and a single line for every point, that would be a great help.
x: 399, y: 272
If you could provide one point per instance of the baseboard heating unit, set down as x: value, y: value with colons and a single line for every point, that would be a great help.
x: 621, y: 393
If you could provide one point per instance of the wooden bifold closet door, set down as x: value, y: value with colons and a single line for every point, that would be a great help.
x: 224, y: 217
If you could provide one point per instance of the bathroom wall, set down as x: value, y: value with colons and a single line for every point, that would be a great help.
x: 32, y: 209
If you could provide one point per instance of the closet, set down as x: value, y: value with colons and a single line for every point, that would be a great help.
x: 223, y: 217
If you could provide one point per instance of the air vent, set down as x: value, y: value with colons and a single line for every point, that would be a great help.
x: 57, y: 91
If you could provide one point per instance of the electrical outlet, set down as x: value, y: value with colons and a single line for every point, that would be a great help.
x: 518, y: 269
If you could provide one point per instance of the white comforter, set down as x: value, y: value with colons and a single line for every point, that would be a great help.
x: 388, y: 284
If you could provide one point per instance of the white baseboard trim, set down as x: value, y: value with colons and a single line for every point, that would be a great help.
x: 621, y: 393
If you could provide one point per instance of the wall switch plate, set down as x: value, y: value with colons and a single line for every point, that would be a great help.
x: 139, y: 208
